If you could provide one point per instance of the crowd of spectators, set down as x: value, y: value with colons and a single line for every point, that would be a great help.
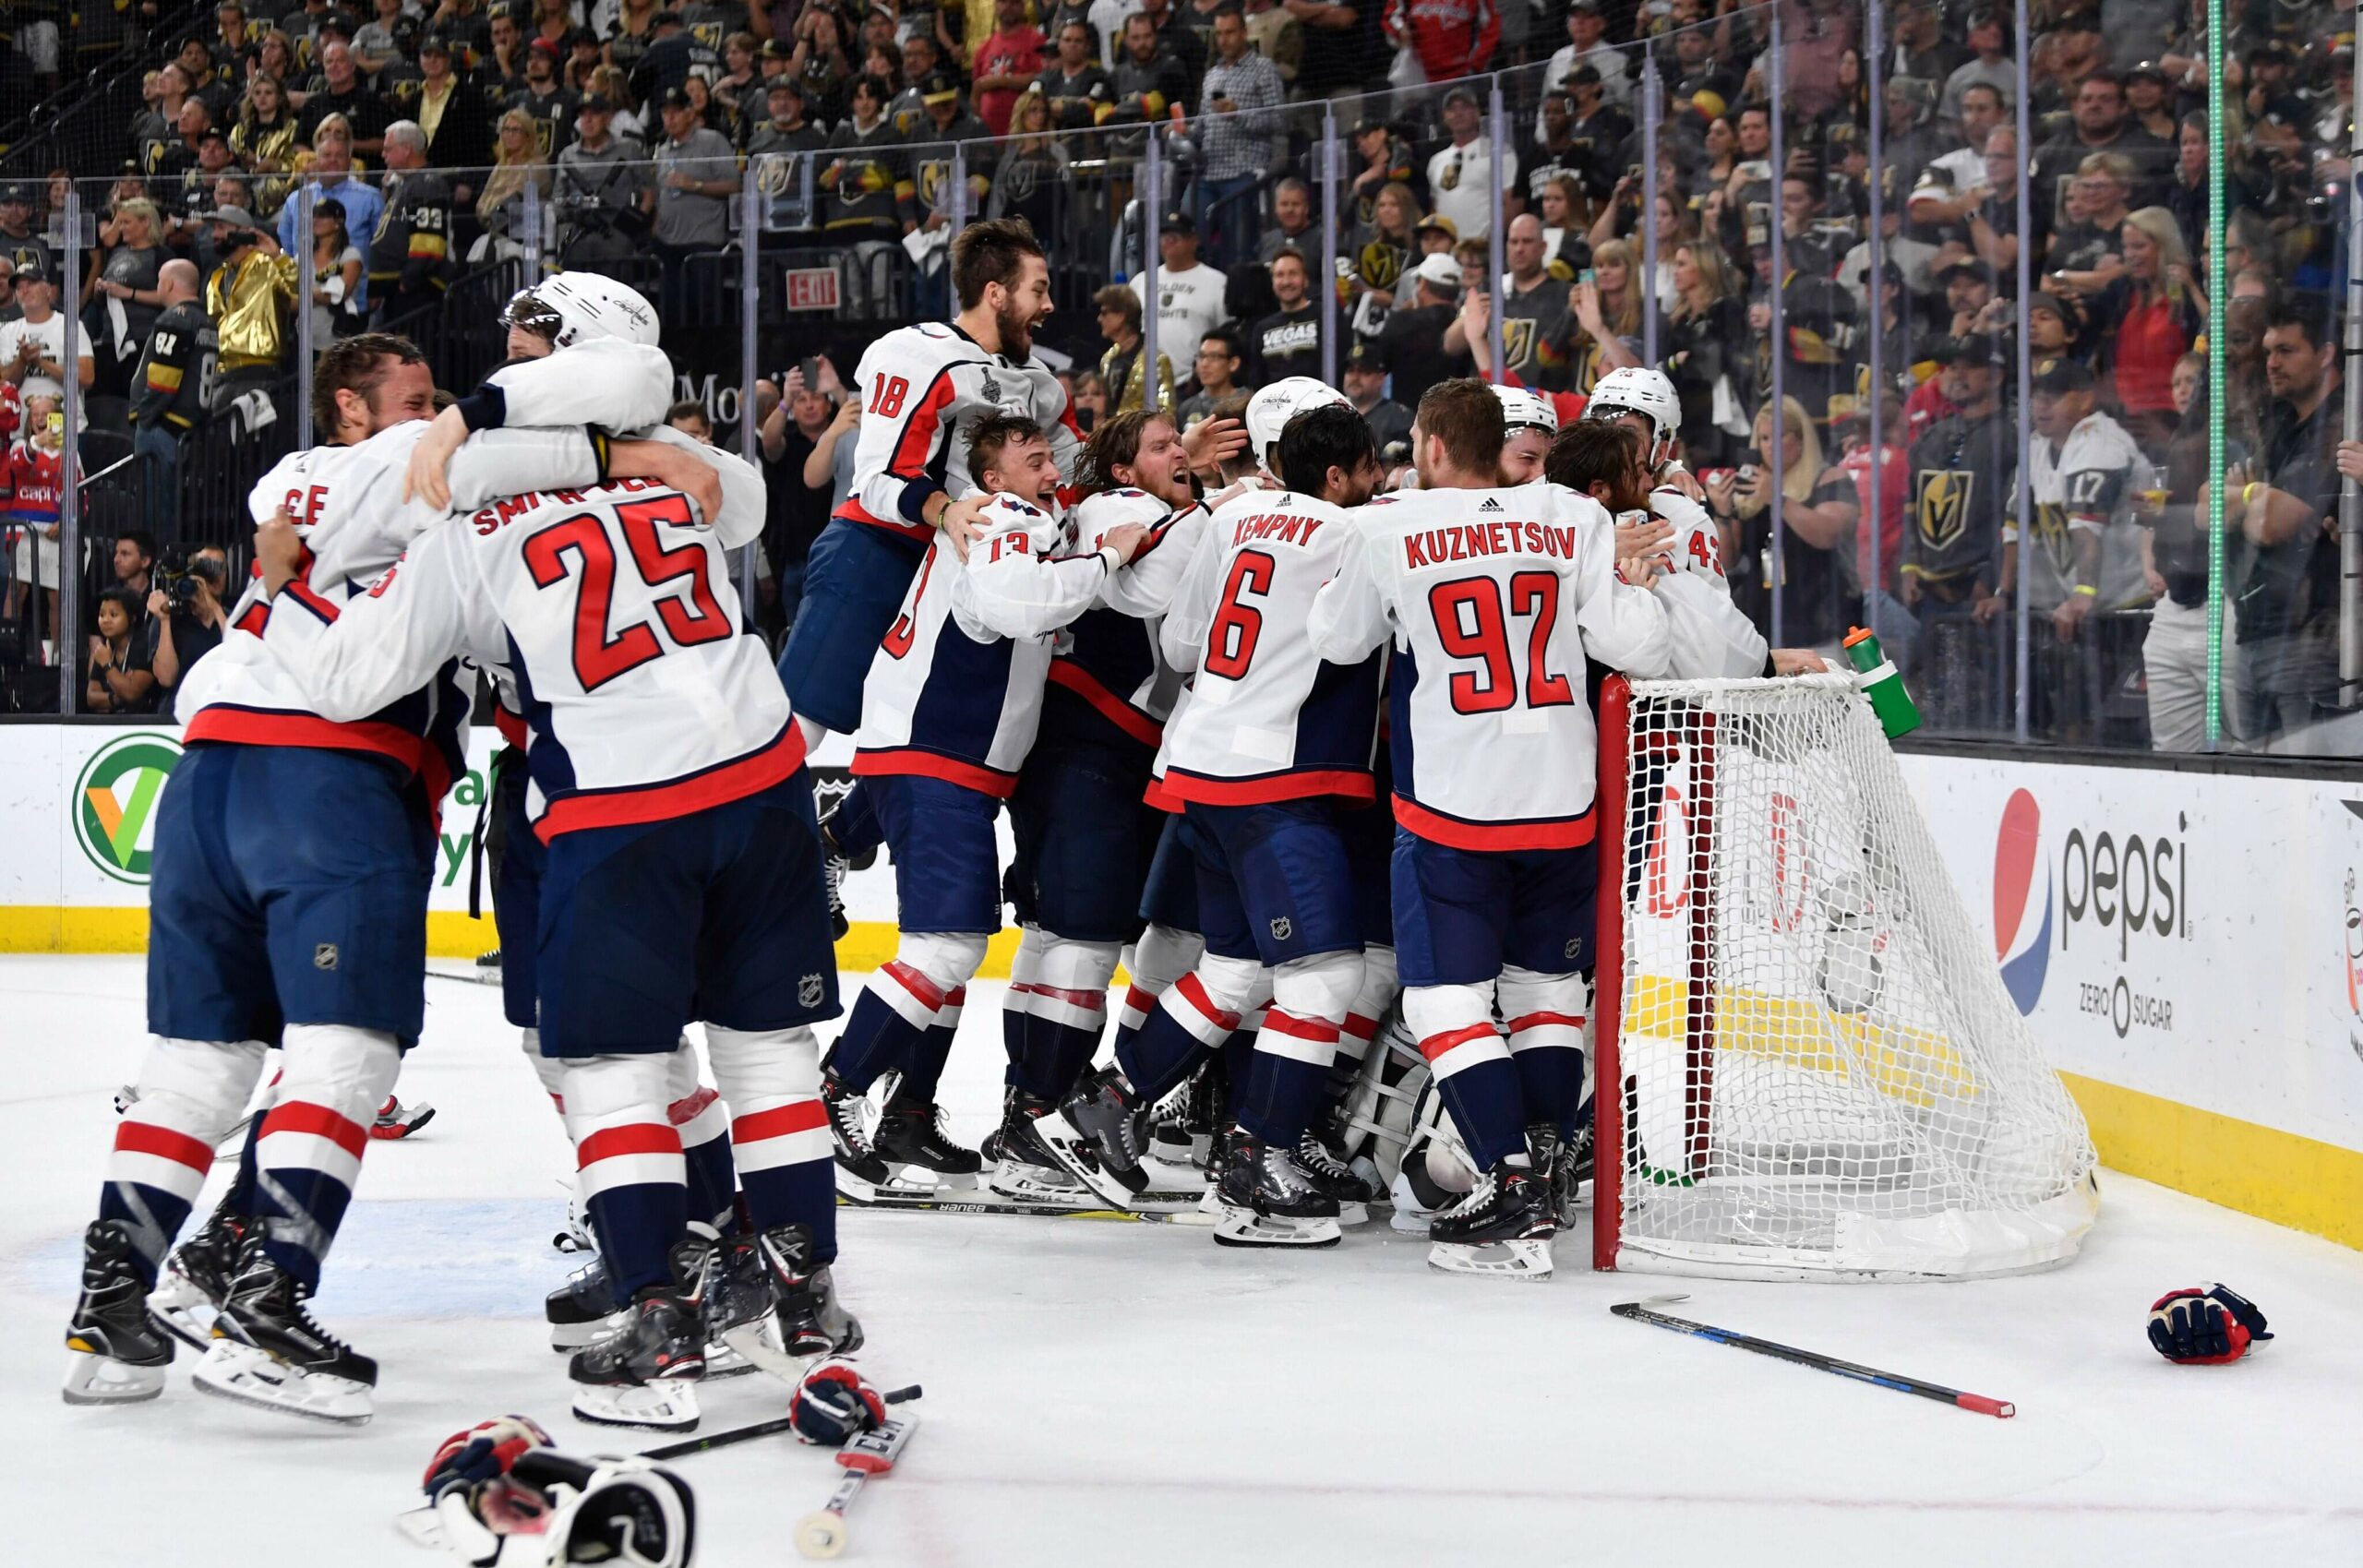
x: 431, y: 128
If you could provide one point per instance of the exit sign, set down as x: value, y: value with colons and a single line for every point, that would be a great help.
x: 813, y: 288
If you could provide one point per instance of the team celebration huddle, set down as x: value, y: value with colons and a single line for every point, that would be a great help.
x: 1297, y: 754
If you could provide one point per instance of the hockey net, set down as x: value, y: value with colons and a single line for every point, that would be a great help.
x: 1808, y: 1066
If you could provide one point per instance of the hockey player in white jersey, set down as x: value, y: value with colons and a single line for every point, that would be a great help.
x: 954, y: 700
x: 1273, y: 745
x: 922, y: 388
x: 1086, y: 837
x: 1530, y: 423
x: 609, y: 330
x: 1711, y: 635
x: 683, y: 880
x: 1492, y: 597
x: 293, y: 852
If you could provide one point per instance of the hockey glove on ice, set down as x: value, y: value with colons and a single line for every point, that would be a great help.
x: 484, y: 1452
x: 2205, y: 1326
x: 835, y: 1405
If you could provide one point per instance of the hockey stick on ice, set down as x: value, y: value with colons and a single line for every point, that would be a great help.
x: 822, y: 1533
x: 421, y: 1527
x: 687, y: 1446
x: 1640, y: 1312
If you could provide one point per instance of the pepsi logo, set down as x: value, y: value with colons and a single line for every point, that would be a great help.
x: 2021, y: 934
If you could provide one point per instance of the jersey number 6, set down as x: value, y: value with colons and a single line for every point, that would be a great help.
x: 1230, y: 641
x: 598, y: 657
x: 1469, y: 624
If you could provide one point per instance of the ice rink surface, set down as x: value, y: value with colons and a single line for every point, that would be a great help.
x: 1104, y: 1392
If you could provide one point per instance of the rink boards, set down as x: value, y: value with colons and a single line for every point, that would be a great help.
x: 2187, y: 945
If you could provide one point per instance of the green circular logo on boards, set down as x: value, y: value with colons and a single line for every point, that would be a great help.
x: 115, y: 803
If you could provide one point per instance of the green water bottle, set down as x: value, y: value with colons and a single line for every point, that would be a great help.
x: 1898, y: 714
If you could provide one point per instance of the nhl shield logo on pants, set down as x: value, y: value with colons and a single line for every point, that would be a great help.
x: 808, y: 990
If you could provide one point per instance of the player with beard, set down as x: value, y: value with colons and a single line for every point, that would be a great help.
x: 1085, y: 838
x: 922, y: 388
x: 1273, y: 750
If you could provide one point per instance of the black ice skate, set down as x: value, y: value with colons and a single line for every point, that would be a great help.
x: 645, y: 1373
x: 116, y: 1355
x: 1096, y: 1133
x: 1565, y: 1166
x: 268, y: 1352
x: 1027, y: 1172
x: 861, y: 1173
x: 1268, y: 1200
x: 1335, y: 1179
x: 912, y: 1140
x: 805, y: 1321
x: 1502, y: 1229
x: 196, y: 1279
x: 584, y: 1310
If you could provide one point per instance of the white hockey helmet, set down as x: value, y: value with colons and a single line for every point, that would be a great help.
x: 1635, y: 390
x: 1522, y: 410
x: 1269, y: 411
x: 574, y: 307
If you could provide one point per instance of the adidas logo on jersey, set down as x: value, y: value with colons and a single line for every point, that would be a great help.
x: 1491, y: 505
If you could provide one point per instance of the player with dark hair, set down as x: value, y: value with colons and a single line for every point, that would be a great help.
x: 1086, y: 837
x: 1499, y: 594
x: 922, y: 389
x: 1273, y: 745
x: 952, y: 705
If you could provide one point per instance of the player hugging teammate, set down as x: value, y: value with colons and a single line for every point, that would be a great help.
x: 683, y: 872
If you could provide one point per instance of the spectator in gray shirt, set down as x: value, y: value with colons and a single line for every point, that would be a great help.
x: 603, y: 191
x: 697, y: 173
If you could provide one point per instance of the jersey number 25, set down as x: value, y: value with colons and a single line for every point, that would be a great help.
x: 600, y: 657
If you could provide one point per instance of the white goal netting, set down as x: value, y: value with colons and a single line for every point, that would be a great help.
x: 1814, y: 1067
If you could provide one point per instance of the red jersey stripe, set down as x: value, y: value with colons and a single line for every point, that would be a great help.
x: 751, y: 775
x: 1568, y: 833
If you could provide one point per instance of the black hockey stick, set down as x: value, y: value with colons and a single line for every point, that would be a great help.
x: 1640, y: 1312
x: 687, y: 1446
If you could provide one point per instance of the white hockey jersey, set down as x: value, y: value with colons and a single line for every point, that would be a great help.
x: 611, y: 605
x: 346, y: 503
x: 920, y: 387
x: 1712, y: 638
x: 1493, y: 598
x: 1269, y: 718
x: 1109, y: 679
x: 954, y: 690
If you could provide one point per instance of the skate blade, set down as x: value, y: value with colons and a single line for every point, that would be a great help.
x: 94, y: 1379
x: 722, y: 1360
x: 854, y: 1189
x: 761, y: 1346
x: 247, y: 1376
x: 666, y: 1404
x: 1067, y: 1145
x: 575, y: 1336
x: 918, y: 1181
x: 1028, y: 1184
x: 1522, y: 1260
x: 183, y: 1310
x: 1245, y: 1227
